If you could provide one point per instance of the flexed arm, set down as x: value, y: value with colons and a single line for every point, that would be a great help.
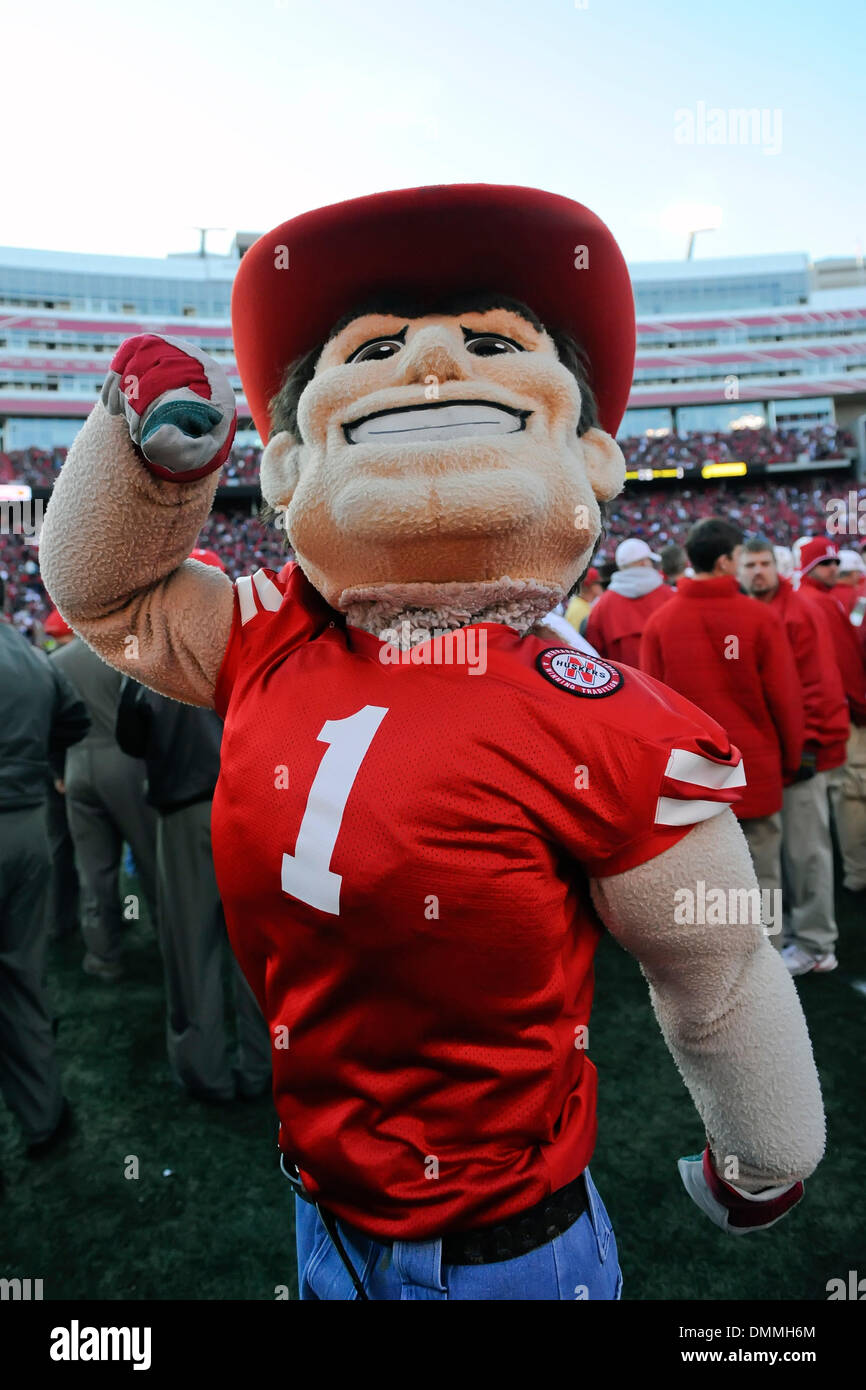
x: 731, y: 1018
x: 126, y: 510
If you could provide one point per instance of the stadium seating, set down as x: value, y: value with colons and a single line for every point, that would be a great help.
x: 752, y: 446
x: 659, y: 515
x: 39, y: 467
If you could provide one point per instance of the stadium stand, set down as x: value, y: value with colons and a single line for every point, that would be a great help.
x: 752, y: 446
x: 658, y: 514
x: 39, y: 467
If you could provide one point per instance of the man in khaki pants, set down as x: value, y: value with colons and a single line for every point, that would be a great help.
x: 180, y: 746
x: 819, y: 564
x: 807, y: 847
x: 105, y: 806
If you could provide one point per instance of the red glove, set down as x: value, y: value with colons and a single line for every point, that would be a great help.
x: 178, y: 403
x: 731, y: 1208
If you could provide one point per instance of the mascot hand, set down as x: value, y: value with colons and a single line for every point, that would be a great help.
x: 178, y: 403
x: 735, y: 1211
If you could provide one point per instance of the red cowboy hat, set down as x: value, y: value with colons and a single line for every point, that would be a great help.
x: 295, y: 282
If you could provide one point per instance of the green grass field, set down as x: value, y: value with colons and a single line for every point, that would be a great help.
x: 219, y: 1224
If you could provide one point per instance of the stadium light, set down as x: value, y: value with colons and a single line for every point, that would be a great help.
x: 690, y: 219
x: 692, y: 234
x: 724, y: 470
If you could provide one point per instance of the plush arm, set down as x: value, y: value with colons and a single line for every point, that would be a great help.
x: 727, y: 1007
x: 113, y: 552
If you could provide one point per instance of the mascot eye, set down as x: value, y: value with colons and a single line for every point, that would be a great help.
x: 490, y: 345
x: 376, y: 351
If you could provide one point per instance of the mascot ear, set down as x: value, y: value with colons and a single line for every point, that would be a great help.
x: 605, y: 465
x: 279, y: 469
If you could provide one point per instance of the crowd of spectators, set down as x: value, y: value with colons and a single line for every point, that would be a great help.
x: 663, y: 515
x: 660, y: 515
x: 39, y: 467
x: 26, y: 601
x: 244, y: 543
x: 751, y: 446
x: 36, y: 467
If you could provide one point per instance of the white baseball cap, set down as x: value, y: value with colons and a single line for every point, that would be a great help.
x: 850, y: 560
x: 628, y: 552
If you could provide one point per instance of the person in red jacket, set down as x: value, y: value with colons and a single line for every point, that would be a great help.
x: 807, y: 847
x: 731, y: 657
x: 850, y: 579
x: 636, y: 590
x: 819, y: 564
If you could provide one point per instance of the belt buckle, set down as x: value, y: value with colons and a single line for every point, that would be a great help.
x: 295, y: 1180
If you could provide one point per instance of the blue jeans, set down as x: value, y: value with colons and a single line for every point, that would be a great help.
x: 580, y: 1264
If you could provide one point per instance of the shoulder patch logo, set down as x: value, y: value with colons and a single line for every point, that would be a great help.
x: 578, y: 673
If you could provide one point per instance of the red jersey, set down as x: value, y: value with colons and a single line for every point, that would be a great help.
x: 403, y: 843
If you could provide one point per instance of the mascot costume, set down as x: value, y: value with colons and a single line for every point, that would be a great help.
x: 427, y: 812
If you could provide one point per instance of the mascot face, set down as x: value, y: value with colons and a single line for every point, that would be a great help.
x: 440, y: 450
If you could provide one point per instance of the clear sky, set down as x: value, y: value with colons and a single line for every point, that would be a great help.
x: 126, y: 125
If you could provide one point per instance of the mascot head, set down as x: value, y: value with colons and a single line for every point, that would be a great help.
x: 439, y: 373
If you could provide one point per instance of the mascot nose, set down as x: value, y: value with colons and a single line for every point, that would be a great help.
x: 432, y: 353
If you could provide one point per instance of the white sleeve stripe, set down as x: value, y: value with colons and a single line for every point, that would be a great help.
x: 268, y: 592
x: 670, y: 811
x: 246, y: 598
x: 684, y: 766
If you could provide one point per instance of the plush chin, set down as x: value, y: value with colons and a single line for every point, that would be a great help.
x: 414, y: 610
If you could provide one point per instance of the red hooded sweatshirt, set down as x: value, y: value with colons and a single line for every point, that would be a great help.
x: 730, y: 656
x: 618, y: 617
x: 848, y: 594
x: 831, y: 615
x: 824, y: 704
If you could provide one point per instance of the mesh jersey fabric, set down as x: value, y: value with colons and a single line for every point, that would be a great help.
x: 403, y: 845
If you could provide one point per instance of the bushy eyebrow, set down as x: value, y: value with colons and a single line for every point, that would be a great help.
x: 399, y: 336
x: 488, y: 333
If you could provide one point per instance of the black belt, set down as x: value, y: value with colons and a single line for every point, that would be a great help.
x: 486, y: 1245
x: 549, y: 1218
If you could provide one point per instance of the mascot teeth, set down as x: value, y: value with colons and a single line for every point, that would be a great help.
x: 440, y: 421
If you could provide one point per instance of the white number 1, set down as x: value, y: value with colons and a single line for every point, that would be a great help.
x: 306, y: 874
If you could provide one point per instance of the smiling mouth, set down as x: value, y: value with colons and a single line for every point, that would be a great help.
x: 436, y: 420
